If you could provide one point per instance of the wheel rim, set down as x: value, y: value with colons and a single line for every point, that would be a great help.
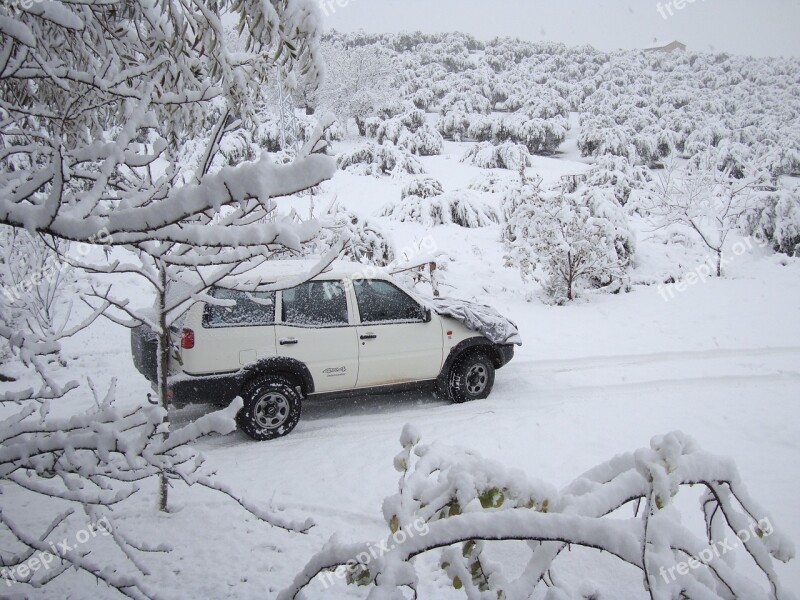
x: 271, y: 411
x: 477, y: 379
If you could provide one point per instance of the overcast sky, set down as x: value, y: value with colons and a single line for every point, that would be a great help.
x: 756, y: 27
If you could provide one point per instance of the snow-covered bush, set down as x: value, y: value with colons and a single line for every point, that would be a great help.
x: 422, y: 187
x: 617, y: 173
x: 493, y: 182
x: 540, y: 136
x: 461, y: 507
x: 461, y: 207
x: 776, y: 220
x: 374, y: 159
x: 480, y: 128
x: 366, y: 242
x: 505, y: 156
x: 408, y: 131
x: 465, y: 102
x: 455, y: 126
x: 569, y: 242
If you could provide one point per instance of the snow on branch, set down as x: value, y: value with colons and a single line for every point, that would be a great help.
x: 96, y: 460
x: 455, y: 503
x: 99, y: 98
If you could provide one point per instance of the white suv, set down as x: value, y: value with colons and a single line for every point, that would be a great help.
x: 333, y: 335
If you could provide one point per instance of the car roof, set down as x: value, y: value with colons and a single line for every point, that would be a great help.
x: 285, y: 274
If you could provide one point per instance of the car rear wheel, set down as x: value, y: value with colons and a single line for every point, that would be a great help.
x: 471, y: 378
x: 272, y: 408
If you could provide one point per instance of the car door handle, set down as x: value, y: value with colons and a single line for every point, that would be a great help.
x: 288, y: 341
x: 369, y: 336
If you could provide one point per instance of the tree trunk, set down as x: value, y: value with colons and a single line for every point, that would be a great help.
x: 163, y: 365
x: 719, y: 263
x: 362, y: 127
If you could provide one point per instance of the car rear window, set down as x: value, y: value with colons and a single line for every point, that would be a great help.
x: 240, y: 309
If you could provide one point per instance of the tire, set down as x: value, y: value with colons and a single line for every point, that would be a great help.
x: 471, y: 378
x: 272, y: 408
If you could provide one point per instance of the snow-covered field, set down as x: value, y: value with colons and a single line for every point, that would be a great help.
x: 719, y: 361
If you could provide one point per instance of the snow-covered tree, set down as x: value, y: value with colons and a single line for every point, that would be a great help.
x: 358, y: 82
x: 97, y: 101
x: 37, y: 293
x: 457, y: 506
x: 95, y: 95
x: 711, y: 203
x: 568, y: 242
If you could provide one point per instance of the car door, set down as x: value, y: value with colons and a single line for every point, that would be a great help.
x: 399, y: 343
x: 315, y: 329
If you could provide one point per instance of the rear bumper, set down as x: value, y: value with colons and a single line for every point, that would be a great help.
x: 217, y: 389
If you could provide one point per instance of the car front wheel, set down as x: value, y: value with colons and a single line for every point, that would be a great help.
x: 471, y: 378
x: 272, y: 408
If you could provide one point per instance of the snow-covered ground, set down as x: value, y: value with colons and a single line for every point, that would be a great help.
x: 719, y: 361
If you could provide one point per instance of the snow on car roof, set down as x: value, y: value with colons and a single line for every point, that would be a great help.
x: 282, y: 274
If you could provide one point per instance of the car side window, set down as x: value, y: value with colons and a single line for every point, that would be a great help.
x: 316, y: 304
x: 382, y: 302
x: 239, y: 309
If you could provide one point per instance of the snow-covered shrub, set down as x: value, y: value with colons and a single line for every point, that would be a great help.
x: 480, y: 128
x: 422, y: 187
x: 408, y: 131
x: 493, y: 182
x: 268, y: 135
x: 776, y: 220
x: 462, y: 207
x: 425, y: 141
x: 386, y: 159
x: 367, y: 243
x: 423, y: 98
x: 540, y: 136
x: 505, y: 156
x: 461, y: 506
x: 569, y: 242
x: 455, y: 126
x: 617, y: 173
x: 237, y: 148
x: 601, y: 140
x: 465, y: 102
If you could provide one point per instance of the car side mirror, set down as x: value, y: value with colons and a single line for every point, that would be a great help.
x: 428, y: 315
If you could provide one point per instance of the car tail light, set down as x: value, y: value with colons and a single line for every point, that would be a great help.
x: 187, y: 339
